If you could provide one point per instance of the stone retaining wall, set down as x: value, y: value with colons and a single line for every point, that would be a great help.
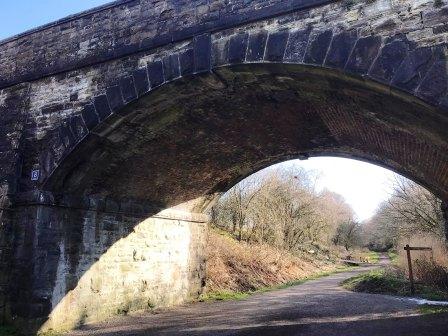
x: 87, y: 266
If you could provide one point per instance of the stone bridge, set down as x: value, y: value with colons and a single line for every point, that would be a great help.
x: 147, y: 108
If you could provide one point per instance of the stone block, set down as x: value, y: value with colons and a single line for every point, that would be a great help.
x: 155, y: 74
x: 127, y: 88
x: 115, y: 98
x: 77, y: 126
x: 318, y: 47
x: 389, y: 60
x: 237, y: 48
x: 434, y: 86
x: 186, y: 59
x: 89, y: 116
x: 141, y: 81
x: 171, y: 67
x: 102, y: 107
x: 297, y: 44
x: 276, y: 45
x: 202, y: 53
x: 340, y: 49
x: 363, y: 54
x: 256, y: 46
x: 412, y: 69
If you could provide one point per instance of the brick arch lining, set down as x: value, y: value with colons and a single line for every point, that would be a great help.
x: 200, y: 133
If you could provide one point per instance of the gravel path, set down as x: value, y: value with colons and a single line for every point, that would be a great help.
x: 317, y: 308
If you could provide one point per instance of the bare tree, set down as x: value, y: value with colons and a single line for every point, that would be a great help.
x: 282, y: 208
x: 411, y: 209
x: 233, y: 208
x: 348, y: 234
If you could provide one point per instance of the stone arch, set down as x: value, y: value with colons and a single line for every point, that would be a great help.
x: 387, y: 130
x: 385, y: 61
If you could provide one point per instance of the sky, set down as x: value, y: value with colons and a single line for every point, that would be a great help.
x: 22, y: 15
x: 364, y: 186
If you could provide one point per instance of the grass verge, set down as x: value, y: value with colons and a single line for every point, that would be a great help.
x: 6, y: 330
x: 385, y: 282
x: 431, y: 309
x: 393, y: 256
x: 229, y: 295
x: 373, y: 257
x: 51, y: 333
x: 223, y: 296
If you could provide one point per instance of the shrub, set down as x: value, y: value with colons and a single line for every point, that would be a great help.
x: 430, y: 273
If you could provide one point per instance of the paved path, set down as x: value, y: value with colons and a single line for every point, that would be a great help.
x: 316, y: 308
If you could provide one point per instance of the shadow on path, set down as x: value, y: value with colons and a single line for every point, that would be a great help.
x: 317, y: 308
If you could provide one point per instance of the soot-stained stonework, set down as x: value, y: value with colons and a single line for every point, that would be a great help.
x: 140, y: 106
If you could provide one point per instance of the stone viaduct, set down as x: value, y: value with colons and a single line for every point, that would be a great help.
x: 147, y: 108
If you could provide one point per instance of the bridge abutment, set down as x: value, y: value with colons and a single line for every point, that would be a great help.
x: 75, y: 265
x: 6, y: 250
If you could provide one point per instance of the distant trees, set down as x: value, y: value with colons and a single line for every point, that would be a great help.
x: 414, y: 209
x: 410, y: 210
x: 348, y: 234
x: 283, y: 209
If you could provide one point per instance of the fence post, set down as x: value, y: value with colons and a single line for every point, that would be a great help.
x: 411, y: 274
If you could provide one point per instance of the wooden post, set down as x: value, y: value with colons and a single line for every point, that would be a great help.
x: 411, y: 274
x: 408, y: 249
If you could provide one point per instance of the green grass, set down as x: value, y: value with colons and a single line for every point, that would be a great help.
x: 373, y: 257
x: 229, y: 295
x: 431, y: 309
x: 12, y: 331
x: 51, y: 333
x: 223, y: 296
x: 8, y: 331
x: 393, y: 256
x: 383, y: 282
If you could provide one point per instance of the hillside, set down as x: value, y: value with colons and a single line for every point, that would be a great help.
x: 234, y: 266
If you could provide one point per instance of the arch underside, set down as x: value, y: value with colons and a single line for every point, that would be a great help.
x: 202, y: 134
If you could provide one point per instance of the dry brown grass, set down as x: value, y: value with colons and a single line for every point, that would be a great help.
x: 240, y: 267
x: 430, y: 268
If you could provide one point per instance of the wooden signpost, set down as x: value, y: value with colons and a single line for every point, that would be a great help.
x: 408, y: 250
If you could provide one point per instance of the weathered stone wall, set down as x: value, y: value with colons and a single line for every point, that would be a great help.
x: 398, y: 43
x: 444, y: 206
x: 13, y: 102
x: 76, y: 266
x: 127, y: 27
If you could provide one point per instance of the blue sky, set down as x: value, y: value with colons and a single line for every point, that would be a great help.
x: 19, y: 16
x: 363, y: 186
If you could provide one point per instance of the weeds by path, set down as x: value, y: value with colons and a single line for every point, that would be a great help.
x: 384, y: 281
x: 431, y: 309
x: 393, y: 256
x: 229, y: 295
x: 373, y: 257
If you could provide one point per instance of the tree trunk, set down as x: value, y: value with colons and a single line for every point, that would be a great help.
x: 233, y: 224
x: 445, y: 217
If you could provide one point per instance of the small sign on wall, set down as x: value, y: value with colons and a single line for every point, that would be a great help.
x: 35, y: 174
